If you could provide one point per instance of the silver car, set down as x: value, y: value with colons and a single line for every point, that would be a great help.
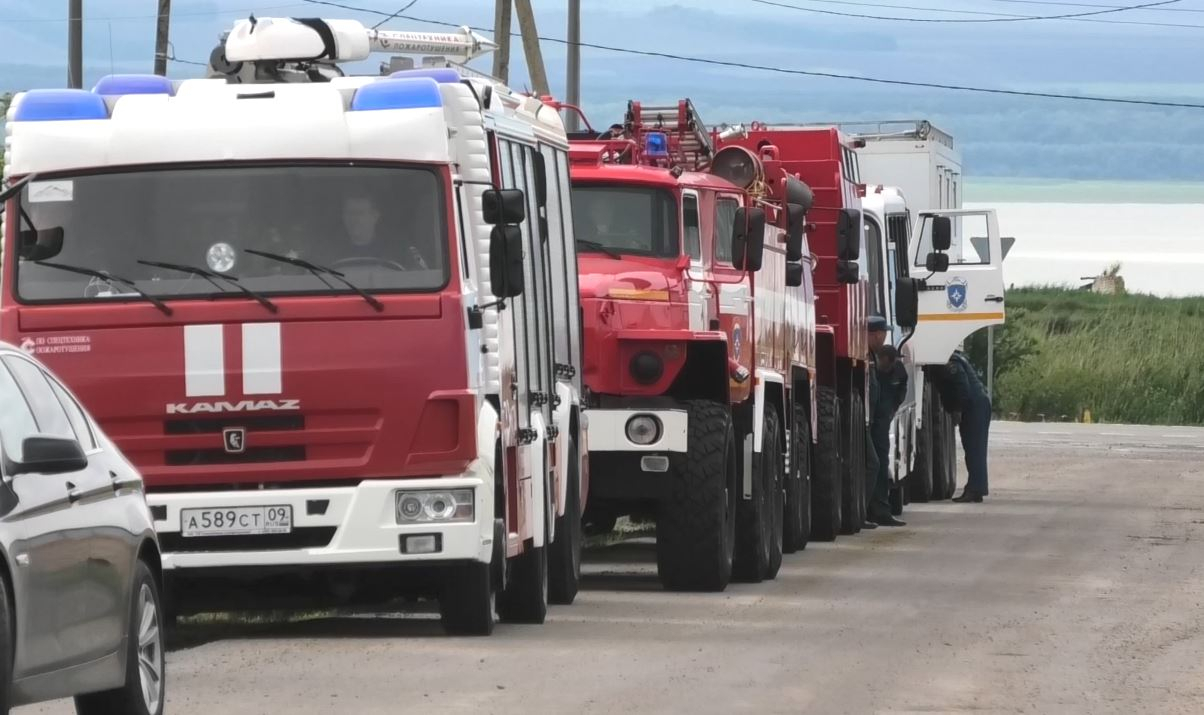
x: 80, y: 613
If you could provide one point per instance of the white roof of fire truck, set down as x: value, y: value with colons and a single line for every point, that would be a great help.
x: 411, y: 115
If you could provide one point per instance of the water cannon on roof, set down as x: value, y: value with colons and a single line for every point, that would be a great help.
x: 310, y: 49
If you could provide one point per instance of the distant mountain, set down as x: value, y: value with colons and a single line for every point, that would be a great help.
x: 1000, y: 135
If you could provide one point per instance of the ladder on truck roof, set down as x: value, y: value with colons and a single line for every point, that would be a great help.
x: 907, y: 129
x: 688, y: 141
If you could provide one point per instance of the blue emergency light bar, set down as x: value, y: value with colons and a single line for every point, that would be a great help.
x: 59, y: 105
x: 119, y: 84
x: 442, y: 75
x: 402, y: 93
x: 656, y: 144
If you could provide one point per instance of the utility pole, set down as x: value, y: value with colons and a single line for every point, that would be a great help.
x: 75, y: 44
x: 501, y: 36
x: 526, y: 25
x: 161, y: 37
x: 573, y: 75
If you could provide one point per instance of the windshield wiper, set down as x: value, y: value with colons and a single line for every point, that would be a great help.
x: 212, y: 278
x: 599, y: 248
x: 318, y: 272
x: 106, y: 276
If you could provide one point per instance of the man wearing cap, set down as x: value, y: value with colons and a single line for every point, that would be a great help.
x: 888, y: 390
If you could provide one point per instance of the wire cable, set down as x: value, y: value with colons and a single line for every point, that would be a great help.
x: 1019, y: 18
x: 407, y: 6
x: 852, y: 3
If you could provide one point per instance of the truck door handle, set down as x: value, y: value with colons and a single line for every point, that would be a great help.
x: 73, y: 494
x: 994, y: 299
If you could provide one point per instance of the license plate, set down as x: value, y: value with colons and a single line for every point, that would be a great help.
x: 236, y: 521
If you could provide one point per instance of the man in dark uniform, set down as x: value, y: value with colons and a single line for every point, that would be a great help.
x: 888, y: 390
x: 963, y: 394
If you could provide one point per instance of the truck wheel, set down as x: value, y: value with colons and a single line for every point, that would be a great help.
x: 919, y: 482
x: 896, y: 499
x: 950, y: 455
x: 143, y: 691
x: 854, y: 466
x: 940, y: 457
x: 758, y: 553
x: 796, y: 526
x: 826, y: 478
x: 696, y: 524
x: 466, y: 600
x: 525, y: 597
x: 564, y: 561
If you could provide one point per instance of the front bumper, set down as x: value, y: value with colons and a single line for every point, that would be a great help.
x: 608, y: 431
x: 363, y: 519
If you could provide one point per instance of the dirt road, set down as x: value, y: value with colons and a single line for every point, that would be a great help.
x: 1076, y: 589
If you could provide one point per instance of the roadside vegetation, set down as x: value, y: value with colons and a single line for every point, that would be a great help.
x: 1070, y: 355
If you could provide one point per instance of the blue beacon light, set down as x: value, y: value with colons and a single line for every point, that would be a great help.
x: 656, y: 144
x: 401, y: 93
x: 57, y: 105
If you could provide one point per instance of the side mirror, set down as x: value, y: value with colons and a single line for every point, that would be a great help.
x: 541, y: 181
x: 796, y: 224
x: 503, y: 206
x: 40, y: 244
x: 748, y: 239
x: 794, y: 275
x: 907, y: 303
x: 506, y: 261
x: 848, y: 235
x: 49, y: 455
x: 848, y: 272
x: 937, y: 262
x: 942, y: 233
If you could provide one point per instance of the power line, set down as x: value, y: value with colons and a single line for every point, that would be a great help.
x: 851, y: 3
x: 797, y: 72
x: 1017, y: 18
x: 407, y: 6
x: 196, y: 13
x: 1083, y: 4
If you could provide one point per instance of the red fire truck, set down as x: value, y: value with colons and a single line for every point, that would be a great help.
x: 700, y: 345
x: 332, y: 319
x: 825, y: 160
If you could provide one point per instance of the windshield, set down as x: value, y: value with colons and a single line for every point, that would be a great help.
x: 383, y: 228
x: 626, y: 220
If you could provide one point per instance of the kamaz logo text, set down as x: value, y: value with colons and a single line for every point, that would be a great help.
x: 196, y: 408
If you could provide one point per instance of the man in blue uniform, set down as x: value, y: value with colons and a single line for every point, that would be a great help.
x: 963, y: 394
x: 888, y: 390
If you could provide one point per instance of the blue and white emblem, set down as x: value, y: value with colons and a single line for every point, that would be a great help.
x: 736, y: 334
x: 955, y: 294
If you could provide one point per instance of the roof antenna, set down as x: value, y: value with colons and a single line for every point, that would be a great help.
x: 253, y: 21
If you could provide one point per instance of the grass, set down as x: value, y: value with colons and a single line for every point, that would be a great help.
x: 1124, y: 359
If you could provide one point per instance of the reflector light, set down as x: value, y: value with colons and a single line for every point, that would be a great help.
x: 412, y: 93
x: 56, y: 105
x: 442, y: 75
x: 118, y: 84
x: 656, y: 144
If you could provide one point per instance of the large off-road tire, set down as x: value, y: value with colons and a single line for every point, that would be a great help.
x: 144, y: 690
x: 758, y: 553
x: 796, y: 524
x: 940, y: 453
x: 466, y: 602
x: 919, y: 482
x: 827, y: 476
x: 525, y: 597
x: 950, y: 455
x: 6, y: 648
x: 853, y: 486
x: 696, y: 523
x: 564, y: 557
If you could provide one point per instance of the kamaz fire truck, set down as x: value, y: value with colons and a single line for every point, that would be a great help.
x: 332, y: 319
x: 700, y: 345
x: 824, y: 160
x: 933, y: 267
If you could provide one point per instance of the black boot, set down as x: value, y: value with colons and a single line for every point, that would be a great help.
x: 888, y: 520
x: 968, y: 495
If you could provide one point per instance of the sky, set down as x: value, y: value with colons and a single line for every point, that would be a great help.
x: 1157, y: 55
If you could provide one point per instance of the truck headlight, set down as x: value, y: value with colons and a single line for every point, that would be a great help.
x: 426, y: 506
